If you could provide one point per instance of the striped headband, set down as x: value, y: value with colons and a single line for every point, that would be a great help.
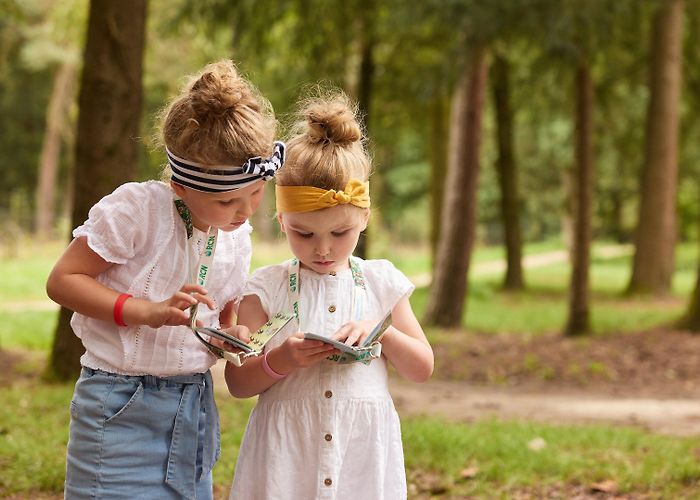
x: 223, y: 178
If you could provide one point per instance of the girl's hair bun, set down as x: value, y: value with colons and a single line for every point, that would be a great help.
x: 326, y: 143
x: 219, y: 118
x: 219, y: 91
x: 332, y: 120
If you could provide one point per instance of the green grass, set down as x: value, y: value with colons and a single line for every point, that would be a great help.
x: 27, y: 330
x: 637, y: 461
x: 541, y: 308
x: 34, y: 416
x: 33, y: 435
x: 34, y: 430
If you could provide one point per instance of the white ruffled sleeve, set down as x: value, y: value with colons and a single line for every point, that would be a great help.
x: 389, y: 285
x: 268, y: 283
x: 118, y: 225
x: 237, y: 262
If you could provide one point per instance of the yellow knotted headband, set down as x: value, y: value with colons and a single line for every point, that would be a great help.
x: 309, y: 198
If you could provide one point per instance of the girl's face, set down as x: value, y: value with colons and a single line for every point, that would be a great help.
x: 323, y: 240
x: 225, y: 211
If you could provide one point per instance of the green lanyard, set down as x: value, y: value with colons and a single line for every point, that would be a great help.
x: 205, y: 259
x: 359, y: 290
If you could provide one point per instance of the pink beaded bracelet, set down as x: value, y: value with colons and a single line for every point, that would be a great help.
x: 268, y: 369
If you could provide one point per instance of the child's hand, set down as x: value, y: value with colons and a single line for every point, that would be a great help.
x: 297, y: 352
x: 173, y: 311
x: 353, y: 332
x: 240, y: 332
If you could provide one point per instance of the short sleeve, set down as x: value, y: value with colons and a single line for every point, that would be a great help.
x: 268, y: 284
x: 119, y: 224
x: 237, y: 262
x: 387, y: 283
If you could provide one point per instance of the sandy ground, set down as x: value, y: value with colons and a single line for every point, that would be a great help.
x: 461, y: 402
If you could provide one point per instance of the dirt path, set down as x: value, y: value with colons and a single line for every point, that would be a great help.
x: 461, y: 402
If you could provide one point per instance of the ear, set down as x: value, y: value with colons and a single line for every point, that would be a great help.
x: 364, y: 220
x: 280, y: 220
x: 179, y: 190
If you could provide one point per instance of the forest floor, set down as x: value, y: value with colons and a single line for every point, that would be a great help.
x: 646, y: 379
x: 649, y: 380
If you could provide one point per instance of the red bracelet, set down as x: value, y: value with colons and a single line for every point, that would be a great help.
x: 118, y: 308
x: 268, y: 369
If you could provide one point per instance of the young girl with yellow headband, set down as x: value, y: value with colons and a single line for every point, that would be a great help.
x: 321, y: 429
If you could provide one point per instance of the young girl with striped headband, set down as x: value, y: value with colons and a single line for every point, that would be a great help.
x: 323, y: 429
x: 143, y: 419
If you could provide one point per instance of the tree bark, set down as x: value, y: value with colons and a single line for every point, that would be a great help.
x: 691, y: 320
x: 655, y: 238
x: 507, y: 174
x: 438, y: 165
x: 108, y: 129
x: 61, y: 96
x: 446, y: 303
x: 579, y: 317
x: 364, y: 97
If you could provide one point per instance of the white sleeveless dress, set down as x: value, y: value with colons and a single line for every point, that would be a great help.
x: 329, y: 431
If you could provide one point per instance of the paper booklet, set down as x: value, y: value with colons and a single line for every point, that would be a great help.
x: 253, y: 348
x: 370, y: 348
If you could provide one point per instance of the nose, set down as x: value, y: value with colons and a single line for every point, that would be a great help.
x: 245, y: 209
x: 323, y: 247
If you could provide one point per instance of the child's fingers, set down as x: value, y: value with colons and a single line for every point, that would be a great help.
x: 177, y: 316
x: 352, y: 334
x: 205, y: 300
x: 342, y: 333
x: 190, y: 288
x: 310, y: 345
x: 239, y: 331
x: 182, y: 300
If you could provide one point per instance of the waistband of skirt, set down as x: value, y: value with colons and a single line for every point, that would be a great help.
x: 153, y: 380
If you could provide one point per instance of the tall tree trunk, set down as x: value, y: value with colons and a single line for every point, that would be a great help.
x: 108, y: 128
x: 655, y: 238
x: 691, y: 320
x: 438, y: 164
x: 364, y: 97
x: 449, y: 289
x: 61, y: 96
x: 507, y: 174
x: 579, y: 321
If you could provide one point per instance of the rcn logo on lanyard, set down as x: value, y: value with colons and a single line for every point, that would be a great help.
x: 206, y: 259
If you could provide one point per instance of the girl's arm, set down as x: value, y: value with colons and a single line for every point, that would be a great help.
x: 404, y: 343
x: 296, y: 352
x: 405, y: 346
x: 73, y: 284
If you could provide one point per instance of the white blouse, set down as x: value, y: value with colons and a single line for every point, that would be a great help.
x: 328, y: 431
x: 138, y: 229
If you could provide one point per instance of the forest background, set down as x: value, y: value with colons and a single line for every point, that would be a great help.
x: 500, y: 126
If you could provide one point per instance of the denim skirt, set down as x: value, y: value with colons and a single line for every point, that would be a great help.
x: 142, y: 437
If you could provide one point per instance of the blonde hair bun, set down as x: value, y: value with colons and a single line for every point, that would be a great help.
x: 332, y: 121
x: 326, y: 144
x: 219, y: 118
x: 220, y: 90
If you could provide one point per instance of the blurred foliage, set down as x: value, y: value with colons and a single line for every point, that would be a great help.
x: 285, y: 45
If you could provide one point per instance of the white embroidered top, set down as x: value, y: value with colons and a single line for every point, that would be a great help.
x: 137, y: 227
x: 328, y: 431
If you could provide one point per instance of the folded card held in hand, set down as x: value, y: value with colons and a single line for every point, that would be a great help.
x: 252, y: 348
x: 368, y: 350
